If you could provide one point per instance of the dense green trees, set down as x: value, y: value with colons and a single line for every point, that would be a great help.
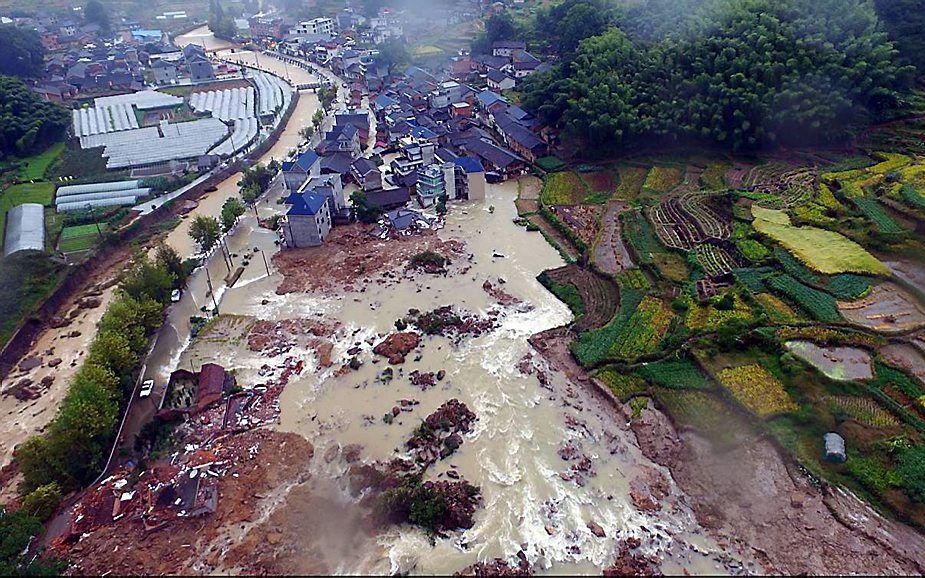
x: 392, y: 54
x: 27, y: 123
x: 905, y: 22
x: 221, y: 24
x: 22, y: 52
x: 17, y: 529
x: 744, y: 74
x: 205, y: 231
x: 231, y: 210
x: 76, y: 444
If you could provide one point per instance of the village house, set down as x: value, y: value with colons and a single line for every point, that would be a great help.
x: 164, y: 72
x: 500, y: 81
x: 307, y: 222
x: 297, y: 172
x: 506, y: 48
x: 366, y: 174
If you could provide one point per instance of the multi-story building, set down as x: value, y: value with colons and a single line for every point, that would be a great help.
x: 308, y: 221
x: 316, y: 26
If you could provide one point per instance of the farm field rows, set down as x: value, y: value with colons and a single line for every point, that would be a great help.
x: 761, y: 303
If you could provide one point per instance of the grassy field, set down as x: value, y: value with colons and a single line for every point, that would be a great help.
x: 25, y: 279
x: 37, y: 165
x: 24, y: 193
x: 80, y: 237
x: 824, y: 251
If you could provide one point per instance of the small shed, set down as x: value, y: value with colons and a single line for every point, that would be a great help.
x: 835, y: 448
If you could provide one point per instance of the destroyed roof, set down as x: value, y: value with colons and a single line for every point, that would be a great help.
x: 401, y: 219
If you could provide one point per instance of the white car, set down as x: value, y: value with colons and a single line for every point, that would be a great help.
x: 175, y: 295
x: 147, y: 386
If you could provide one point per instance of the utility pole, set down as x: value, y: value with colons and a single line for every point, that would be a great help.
x: 265, y: 264
x: 211, y: 290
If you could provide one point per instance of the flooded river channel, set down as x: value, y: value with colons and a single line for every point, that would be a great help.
x: 514, y: 452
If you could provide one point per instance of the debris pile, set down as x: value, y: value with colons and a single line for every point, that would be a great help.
x: 631, y: 562
x: 447, y: 322
x: 396, y: 489
x: 397, y: 345
x: 214, y: 447
x: 504, y: 298
x: 279, y: 337
x: 498, y: 567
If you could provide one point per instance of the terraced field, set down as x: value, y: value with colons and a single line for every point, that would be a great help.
x: 599, y: 295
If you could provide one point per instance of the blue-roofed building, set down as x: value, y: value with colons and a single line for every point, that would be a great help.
x: 470, y: 178
x: 308, y: 221
x: 487, y: 98
x: 382, y: 102
x: 144, y: 36
x: 305, y: 166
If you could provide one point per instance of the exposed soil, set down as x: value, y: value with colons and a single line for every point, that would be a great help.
x: 599, y: 295
x: 201, y: 545
x: 610, y: 254
x: 581, y: 219
x: 397, y: 345
x: 351, y: 257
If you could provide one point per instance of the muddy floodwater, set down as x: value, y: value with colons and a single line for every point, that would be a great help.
x: 513, y: 454
x: 202, y: 36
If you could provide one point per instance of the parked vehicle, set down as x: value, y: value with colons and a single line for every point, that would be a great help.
x: 174, y: 295
x: 147, y: 386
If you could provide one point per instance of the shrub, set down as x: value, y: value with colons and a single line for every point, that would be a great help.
x: 821, y: 306
x: 678, y: 373
x: 43, y: 501
x: 911, y: 473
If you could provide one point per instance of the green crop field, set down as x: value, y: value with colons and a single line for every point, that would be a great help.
x: 79, y: 238
x: 564, y: 189
x: 824, y: 251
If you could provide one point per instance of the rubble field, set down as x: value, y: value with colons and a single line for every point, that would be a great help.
x: 351, y: 257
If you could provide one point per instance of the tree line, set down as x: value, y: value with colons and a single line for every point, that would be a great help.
x: 738, y: 73
x: 75, y: 446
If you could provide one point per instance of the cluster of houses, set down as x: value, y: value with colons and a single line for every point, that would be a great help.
x: 432, y: 136
x: 83, y: 61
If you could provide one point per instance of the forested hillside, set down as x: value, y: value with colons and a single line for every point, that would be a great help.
x: 739, y: 73
x: 27, y: 123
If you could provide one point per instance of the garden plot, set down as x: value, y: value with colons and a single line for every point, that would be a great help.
x: 598, y: 294
x: 839, y: 363
x: 565, y: 188
x: 780, y: 185
x: 906, y: 356
x: 682, y: 222
x: 582, y: 219
x: 757, y: 389
x: 888, y: 308
x: 715, y: 260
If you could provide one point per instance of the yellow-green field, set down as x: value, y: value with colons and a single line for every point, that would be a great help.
x: 824, y: 251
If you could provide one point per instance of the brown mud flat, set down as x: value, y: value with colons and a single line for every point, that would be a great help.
x: 610, y: 253
x: 755, y: 502
x: 206, y: 544
x: 600, y: 295
x: 351, y: 255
